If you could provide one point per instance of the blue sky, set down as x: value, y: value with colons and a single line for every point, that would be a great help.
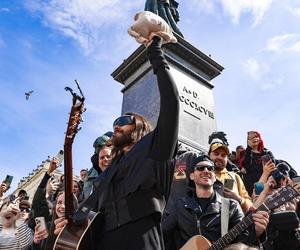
x: 45, y: 45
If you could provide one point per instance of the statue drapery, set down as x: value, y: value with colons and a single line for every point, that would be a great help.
x: 166, y: 9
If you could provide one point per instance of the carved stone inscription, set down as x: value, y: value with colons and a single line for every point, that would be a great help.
x: 197, y: 117
x: 192, y: 101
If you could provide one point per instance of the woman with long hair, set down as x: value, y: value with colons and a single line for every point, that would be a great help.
x: 45, y: 238
x: 253, y: 161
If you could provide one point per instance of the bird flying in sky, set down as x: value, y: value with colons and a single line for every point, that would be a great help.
x: 27, y: 94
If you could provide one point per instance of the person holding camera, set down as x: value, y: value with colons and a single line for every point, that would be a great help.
x: 14, y: 232
x: 3, y: 189
x: 44, y: 232
x: 42, y: 202
x: 283, y: 229
x: 232, y: 184
x: 253, y: 163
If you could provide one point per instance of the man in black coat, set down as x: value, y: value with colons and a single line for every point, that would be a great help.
x: 134, y: 189
x: 200, y: 211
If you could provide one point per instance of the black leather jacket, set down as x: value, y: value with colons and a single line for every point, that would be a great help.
x: 187, y: 219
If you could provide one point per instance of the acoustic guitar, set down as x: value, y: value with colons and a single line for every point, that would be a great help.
x: 199, y: 242
x: 71, y: 235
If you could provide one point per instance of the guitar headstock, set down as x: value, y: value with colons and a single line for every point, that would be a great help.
x: 284, y: 195
x: 75, y: 117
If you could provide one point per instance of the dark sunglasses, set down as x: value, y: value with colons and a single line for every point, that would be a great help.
x: 27, y: 210
x: 201, y: 168
x: 124, y: 120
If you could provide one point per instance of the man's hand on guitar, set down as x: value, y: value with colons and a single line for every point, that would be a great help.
x: 59, y: 225
x: 261, y: 221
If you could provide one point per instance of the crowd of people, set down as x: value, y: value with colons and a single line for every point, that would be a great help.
x: 154, y: 195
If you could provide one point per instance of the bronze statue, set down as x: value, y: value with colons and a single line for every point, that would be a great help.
x: 167, y: 9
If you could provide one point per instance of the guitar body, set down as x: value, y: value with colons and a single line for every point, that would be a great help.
x: 80, y: 237
x: 197, y: 242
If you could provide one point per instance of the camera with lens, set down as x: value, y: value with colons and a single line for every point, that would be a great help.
x: 277, y: 176
x: 282, y: 170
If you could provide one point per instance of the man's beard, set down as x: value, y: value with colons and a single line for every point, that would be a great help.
x: 205, y: 186
x: 122, y: 140
x: 219, y: 166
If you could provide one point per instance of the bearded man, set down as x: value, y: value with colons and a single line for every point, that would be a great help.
x: 134, y: 189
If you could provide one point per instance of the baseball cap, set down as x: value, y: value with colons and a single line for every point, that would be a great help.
x: 101, y: 141
x: 217, y: 143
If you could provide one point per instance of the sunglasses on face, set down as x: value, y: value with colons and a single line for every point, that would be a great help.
x: 201, y: 168
x: 124, y: 120
x: 27, y: 210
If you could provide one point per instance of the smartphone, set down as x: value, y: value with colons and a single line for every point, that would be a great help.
x: 228, y: 183
x: 60, y: 157
x: 8, y: 180
x: 265, y: 159
x: 258, y: 188
x: 296, y: 179
x: 41, y: 222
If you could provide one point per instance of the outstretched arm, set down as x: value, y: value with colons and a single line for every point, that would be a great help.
x: 166, y: 131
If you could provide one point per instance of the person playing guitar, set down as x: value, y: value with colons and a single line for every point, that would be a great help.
x: 133, y: 190
x: 200, y: 213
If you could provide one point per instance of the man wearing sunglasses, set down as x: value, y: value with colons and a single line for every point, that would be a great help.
x: 200, y: 211
x: 144, y: 168
x: 134, y: 189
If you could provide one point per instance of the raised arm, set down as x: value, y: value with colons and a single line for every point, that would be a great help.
x: 166, y: 131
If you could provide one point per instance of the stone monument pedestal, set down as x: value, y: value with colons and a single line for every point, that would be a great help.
x: 193, y: 72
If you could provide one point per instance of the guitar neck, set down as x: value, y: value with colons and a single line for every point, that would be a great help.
x: 68, y: 179
x: 72, y: 129
x: 284, y: 195
x: 232, y: 234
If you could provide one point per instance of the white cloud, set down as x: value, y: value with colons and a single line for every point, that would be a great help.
x: 262, y: 75
x: 206, y: 6
x: 295, y: 47
x: 271, y: 84
x: 295, y: 11
x: 284, y: 43
x: 255, y: 69
x: 235, y: 8
x: 87, y: 22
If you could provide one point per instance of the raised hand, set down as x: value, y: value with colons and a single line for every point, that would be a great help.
x: 53, y: 165
x: 268, y: 168
x: 14, y: 209
x: 3, y: 187
x: 54, y: 185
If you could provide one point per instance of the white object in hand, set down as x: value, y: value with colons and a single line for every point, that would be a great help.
x: 146, y: 25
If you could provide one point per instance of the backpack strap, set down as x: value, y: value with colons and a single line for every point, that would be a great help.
x: 224, y: 215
